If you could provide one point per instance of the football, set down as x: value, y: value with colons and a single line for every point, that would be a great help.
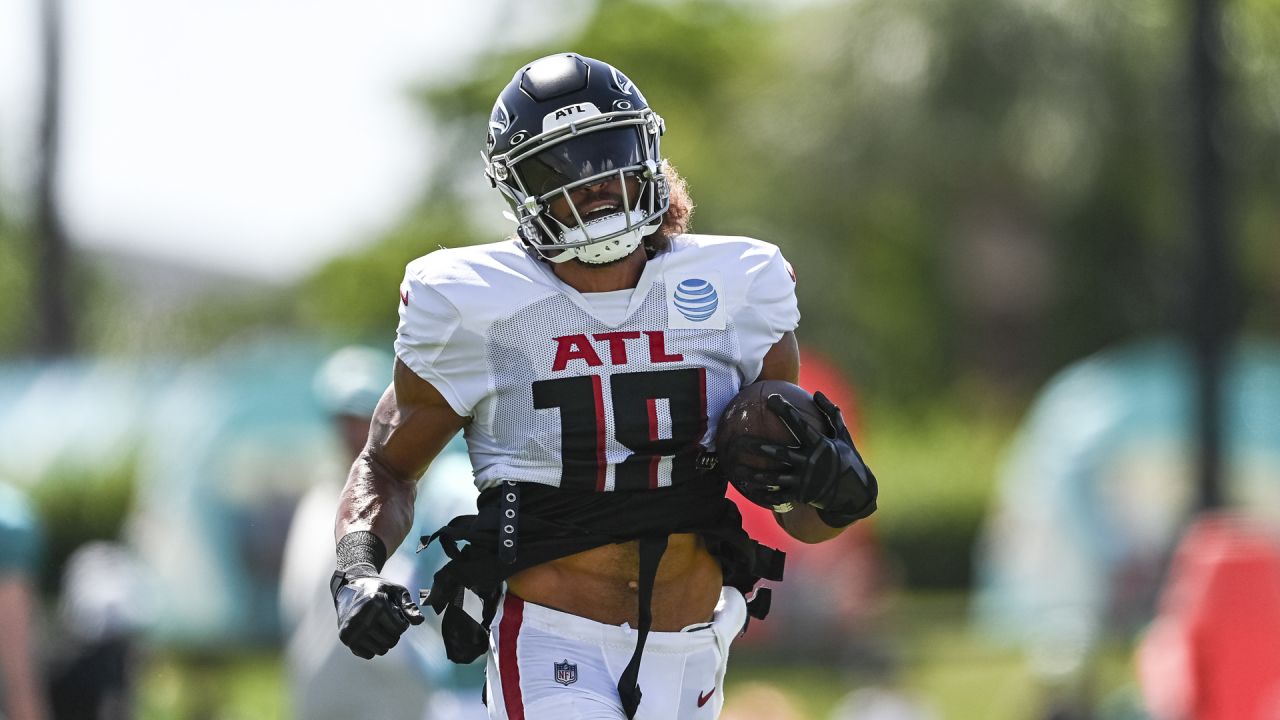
x: 747, y: 415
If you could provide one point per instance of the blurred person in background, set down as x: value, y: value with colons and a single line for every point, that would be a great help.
x: 1096, y: 491
x: 93, y: 673
x: 588, y: 361
x: 22, y: 687
x: 830, y: 608
x: 830, y: 611
x: 1213, y: 652
x: 326, y: 681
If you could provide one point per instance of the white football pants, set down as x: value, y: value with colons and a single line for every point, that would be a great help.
x: 544, y: 664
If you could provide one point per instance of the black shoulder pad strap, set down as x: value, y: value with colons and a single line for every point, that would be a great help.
x: 758, y: 606
x: 651, y: 550
x: 767, y: 562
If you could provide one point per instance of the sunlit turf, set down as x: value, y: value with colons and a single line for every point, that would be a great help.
x: 943, y: 665
x: 940, y: 663
x: 247, y: 686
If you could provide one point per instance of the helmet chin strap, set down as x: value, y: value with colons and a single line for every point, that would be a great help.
x: 616, y: 240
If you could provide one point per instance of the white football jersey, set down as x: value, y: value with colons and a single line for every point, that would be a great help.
x: 559, y: 396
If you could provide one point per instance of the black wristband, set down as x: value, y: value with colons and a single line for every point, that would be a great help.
x: 359, y: 547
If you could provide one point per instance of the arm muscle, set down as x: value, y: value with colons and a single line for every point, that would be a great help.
x: 412, y: 423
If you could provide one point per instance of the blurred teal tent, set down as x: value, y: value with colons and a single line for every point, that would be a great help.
x: 228, y: 449
x: 74, y: 417
x: 214, y: 454
x: 1099, y: 485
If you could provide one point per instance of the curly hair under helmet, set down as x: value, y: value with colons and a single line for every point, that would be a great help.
x: 678, y: 216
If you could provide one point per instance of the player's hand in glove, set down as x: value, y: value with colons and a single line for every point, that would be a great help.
x: 825, y: 472
x: 372, y: 611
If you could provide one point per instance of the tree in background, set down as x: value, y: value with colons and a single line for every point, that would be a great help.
x: 15, y: 287
x: 973, y: 194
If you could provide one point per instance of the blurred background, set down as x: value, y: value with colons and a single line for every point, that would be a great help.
x: 1038, y: 250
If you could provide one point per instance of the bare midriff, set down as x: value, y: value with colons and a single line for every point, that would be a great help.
x: 602, y: 584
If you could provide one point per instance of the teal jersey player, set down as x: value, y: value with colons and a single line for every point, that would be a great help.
x: 21, y: 689
x: 20, y: 540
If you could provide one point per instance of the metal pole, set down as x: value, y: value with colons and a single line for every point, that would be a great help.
x: 54, y: 331
x: 1211, y: 313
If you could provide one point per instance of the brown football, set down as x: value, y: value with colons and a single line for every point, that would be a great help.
x: 747, y: 414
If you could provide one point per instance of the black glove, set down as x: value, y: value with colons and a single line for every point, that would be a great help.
x: 825, y: 472
x: 372, y: 611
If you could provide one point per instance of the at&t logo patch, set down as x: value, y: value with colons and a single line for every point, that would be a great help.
x: 696, y: 299
x: 694, y: 302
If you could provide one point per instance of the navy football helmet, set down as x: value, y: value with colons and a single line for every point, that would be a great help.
x: 567, y: 123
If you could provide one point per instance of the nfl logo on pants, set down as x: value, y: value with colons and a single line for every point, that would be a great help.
x: 566, y: 672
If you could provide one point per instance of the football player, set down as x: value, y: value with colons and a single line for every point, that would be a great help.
x: 21, y: 678
x: 587, y: 360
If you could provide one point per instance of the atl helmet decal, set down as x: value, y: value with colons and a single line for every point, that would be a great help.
x: 500, y: 120
x: 696, y: 299
x: 568, y: 115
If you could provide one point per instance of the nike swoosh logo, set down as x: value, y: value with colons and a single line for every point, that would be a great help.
x: 702, y: 699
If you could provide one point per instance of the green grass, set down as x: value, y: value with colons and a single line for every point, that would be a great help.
x: 936, y: 475
x: 944, y: 666
x: 939, y: 663
x: 958, y: 674
x: 249, y: 686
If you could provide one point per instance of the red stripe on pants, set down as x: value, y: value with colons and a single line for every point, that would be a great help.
x: 508, y: 667
x: 652, y: 404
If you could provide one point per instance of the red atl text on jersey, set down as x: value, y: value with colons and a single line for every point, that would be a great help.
x: 581, y: 347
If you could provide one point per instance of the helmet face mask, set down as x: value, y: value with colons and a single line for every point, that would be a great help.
x: 550, y: 146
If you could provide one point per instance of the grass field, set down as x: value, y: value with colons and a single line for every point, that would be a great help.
x: 947, y: 668
x: 955, y: 673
